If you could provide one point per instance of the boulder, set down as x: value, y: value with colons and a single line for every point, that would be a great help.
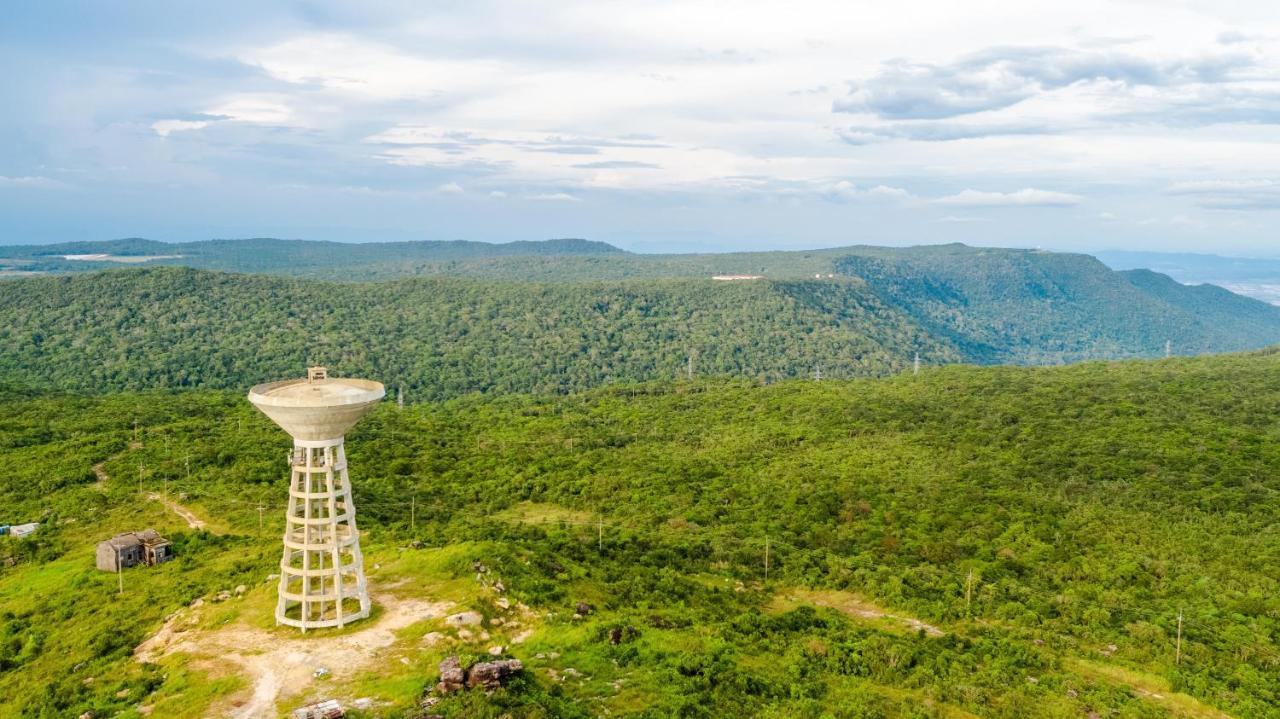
x: 491, y: 675
x: 452, y: 676
x: 486, y: 675
x: 582, y: 609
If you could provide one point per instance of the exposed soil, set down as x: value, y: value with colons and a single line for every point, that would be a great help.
x: 279, y: 666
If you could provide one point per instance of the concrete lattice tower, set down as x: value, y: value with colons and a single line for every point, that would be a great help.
x: 322, y: 580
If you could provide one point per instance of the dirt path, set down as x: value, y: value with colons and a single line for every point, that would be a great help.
x: 854, y: 606
x: 283, y: 664
x: 187, y: 515
x: 100, y: 472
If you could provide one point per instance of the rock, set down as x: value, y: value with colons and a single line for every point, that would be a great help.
x: 496, y: 650
x: 452, y: 676
x: 122, y: 694
x: 490, y: 675
x: 503, y: 603
x: 462, y: 619
x: 1072, y: 693
x: 582, y: 609
x: 272, y: 577
x: 415, y: 544
x: 499, y: 587
x: 222, y: 596
x: 1033, y: 680
x: 465, y: 634
x: 495, y: 622
x: 87, y: 715
x: 432, y: 638
x: 197, y: 603
x: 487, y: 675
x: 240, y: 589
x: 363, y: 703
x: 484, y: 636
x: 404, y: 661
x: 320, y: 672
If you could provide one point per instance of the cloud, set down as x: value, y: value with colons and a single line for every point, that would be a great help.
x: 1026, y: 197
x: 961, y: 219
x: 845, y: 190
x: 31, y: 181
x: 1242, y: 194
x: 555, y: 197
x: 164, y: 128
x: 1000, y: 77
x: 617, y: 165
x: 451, y: 188
x: 497, y: 194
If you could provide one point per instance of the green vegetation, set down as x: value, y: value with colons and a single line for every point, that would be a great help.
x: 174, y: 327
x: 444, y: 337
x: 1050, y: 523
x: 1045, y: 307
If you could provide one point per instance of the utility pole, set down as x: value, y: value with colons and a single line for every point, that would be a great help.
x: 135, y: 430
x: 968, y: 595
x: 400, y: 398
x: 259, y: 518
x: 766, y: 559
x: 1178, y: 652
x: 139, y: 477
x: 119, y: 574
x: 600, y: 533
x: 413, y: 512
x: 817, y: 373
x: 915, y: 367
x: 689, y: 367
x: 1168, y: 349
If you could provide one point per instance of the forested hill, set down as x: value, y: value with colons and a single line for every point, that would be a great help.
x: 177, y: 327
x: 1001, y: 305
x: 300, y: 258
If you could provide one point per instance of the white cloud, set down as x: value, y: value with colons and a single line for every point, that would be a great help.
x: 555, y: 197
x: 164, y: 128
x: 451, y: 188
x: 31, y: 181
x: 1240, y: 194
x: 961, y: 219
x: 1026, y: 197
x: 497, y: 194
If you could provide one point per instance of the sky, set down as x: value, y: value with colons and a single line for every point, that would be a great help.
x: 656, y: 126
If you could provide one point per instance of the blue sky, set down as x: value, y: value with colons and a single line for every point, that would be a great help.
x: 658, y: 126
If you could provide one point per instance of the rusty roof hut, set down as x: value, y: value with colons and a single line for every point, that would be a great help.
x: 125, y: 550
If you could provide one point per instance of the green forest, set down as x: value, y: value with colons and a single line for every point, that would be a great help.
x: 442, y: 337
x: 1031, y: 535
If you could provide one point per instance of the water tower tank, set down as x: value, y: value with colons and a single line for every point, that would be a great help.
x: 322, y: 580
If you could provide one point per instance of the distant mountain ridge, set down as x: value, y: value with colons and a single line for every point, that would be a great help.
x: 367, y: 260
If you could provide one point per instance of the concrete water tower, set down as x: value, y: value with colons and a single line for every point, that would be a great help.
x: 322, y: 571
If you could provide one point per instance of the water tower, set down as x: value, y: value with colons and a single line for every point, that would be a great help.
x: 322, y: 571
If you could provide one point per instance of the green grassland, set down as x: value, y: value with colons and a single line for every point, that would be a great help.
x: 1049, y: 524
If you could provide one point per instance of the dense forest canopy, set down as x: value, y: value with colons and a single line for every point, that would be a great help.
x: 1051, y: 523
x: 443, y: 337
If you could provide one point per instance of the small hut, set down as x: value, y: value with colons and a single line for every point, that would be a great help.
x: 125, y: 550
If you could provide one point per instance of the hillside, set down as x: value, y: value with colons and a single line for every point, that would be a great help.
x: 173, y: 327
x: 300, y: 258
x: 443, y: 337
x: 1031, y: 306
x: 968, y: 542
